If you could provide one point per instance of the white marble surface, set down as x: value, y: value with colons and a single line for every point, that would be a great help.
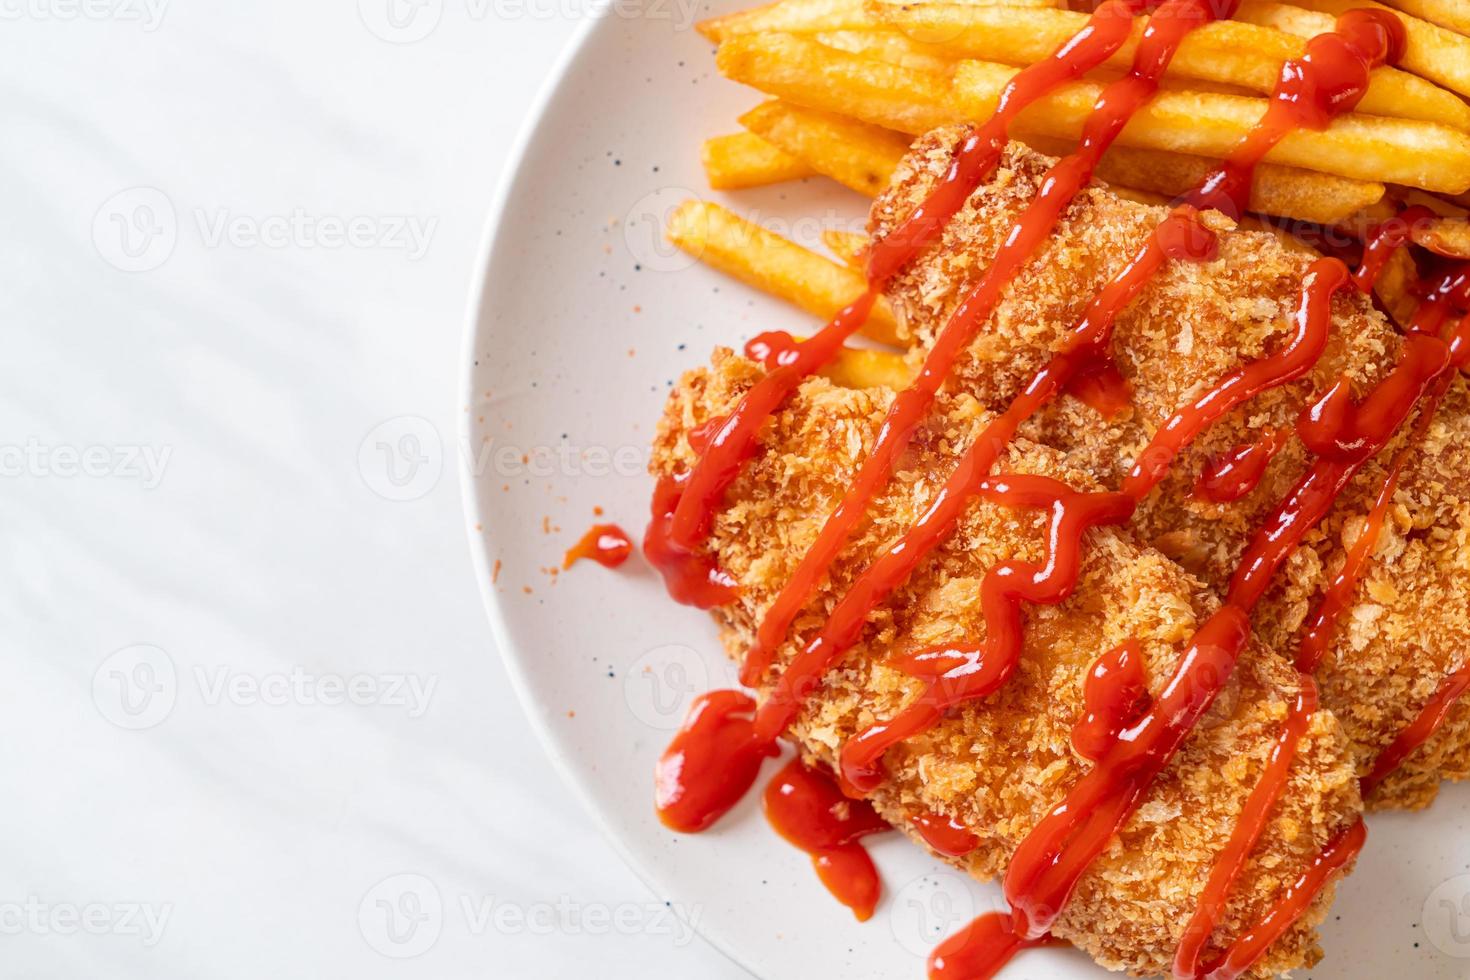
x: 243, y: 686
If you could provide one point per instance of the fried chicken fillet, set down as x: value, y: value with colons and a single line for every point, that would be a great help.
x: 1408, y: 626
x: 998, y: 765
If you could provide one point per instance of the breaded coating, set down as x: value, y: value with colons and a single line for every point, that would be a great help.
x: 1409, y: 624
x: 999, y: 764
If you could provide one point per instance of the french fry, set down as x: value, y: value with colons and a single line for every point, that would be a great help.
x: 1395, y: 286
x: 814, y: 17
x: 1186, y: 85
x: 1446, y: 233
x: 809, y: 74
x: 848, y: 246
x: 1449, y: 237
x: 1441, y: 207
x: 1284, y: 17
x: 1281, y: 191
x: 1139, y: 197
x: 742, y: 160
x: 1284, y: 235
x: 1246, y: 56
x: 1433, y: 52
x: 793, y: 17
x: 890, y: 46
x: 852, y: 153
x: 774, y: 265
x: 1452, y: 14
x: 800, y: 70
x: 1370, y: 148
x: 854, y: 368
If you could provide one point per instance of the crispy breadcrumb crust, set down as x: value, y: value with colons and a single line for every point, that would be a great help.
x: 1409, y: 624
x: 999, y: 764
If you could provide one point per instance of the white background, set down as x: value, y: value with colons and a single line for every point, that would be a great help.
x: 198, y: 457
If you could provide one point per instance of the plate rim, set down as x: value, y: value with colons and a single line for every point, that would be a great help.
x: 490, y: 243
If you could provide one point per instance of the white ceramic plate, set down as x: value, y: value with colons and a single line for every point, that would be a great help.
x: 582, y: 321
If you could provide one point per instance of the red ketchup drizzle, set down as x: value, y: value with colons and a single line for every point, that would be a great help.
x: 1339, y: 593
x: 700, y: 435
x: 1048, y: 864
x: 1382, y: 242
x: 980, y: 949
x: 1114, y: 694
x: 1108, y: 28
x: 1341, y: 851
x: 606, y: 544
x: 1389, y: 405
x: 1434, y: 714
x: 690, y: 577
x: 684, y: 507
x: 1420, y: 730
x: 1328, y: 81
x: 679, y: 528
x: 1313, y: 325
x: 1238, y: 472
x: 1180, y: 236
x: 808, y: 809
x: 1322, y: 628
x: 1252, y: 822
x: 1101, y: 387
x: 772, y: 348
x: 711, y: 762
x: 681, y: 516
x: 953, y: 675
x: 957, y: 675
x: 945, y: 835
x: 1272, y: 783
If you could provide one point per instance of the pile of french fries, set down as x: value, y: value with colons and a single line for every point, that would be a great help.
x: 852, y: 82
